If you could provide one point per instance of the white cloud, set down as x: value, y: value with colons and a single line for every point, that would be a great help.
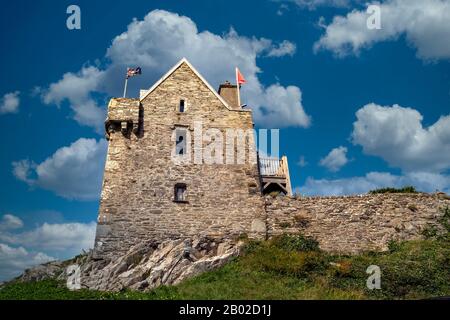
x: 13, y: 261
x: 302, y: 162
x: 46, y: 242
x: 162, y: 38
x: 73, y: 172
x: 22, y: 170
x: 335, y: 160
x: 67, y: 239
x: 285, y: 107
x: 285, y: 48
x: 397, y: 135
x: 283, y: 7
x: 77, y: 88
x: 425, y: 25
x: 10, y: 103
x: 427, y: 182
x: 10, y: 222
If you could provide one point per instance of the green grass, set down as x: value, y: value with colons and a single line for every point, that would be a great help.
x: 291, y: 267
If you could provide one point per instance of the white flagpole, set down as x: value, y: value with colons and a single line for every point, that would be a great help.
x: 238, y: 89
x: 125, y: 89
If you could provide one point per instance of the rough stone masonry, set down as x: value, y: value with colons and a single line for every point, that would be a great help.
x: 222, y: 201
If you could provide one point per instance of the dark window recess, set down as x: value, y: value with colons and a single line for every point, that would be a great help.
x: 182, y: 104
x: 181, y: 142
x: 180, y: 192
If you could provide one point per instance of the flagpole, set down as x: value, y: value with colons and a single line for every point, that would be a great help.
x: 238, y: 89
x: 125, y: 89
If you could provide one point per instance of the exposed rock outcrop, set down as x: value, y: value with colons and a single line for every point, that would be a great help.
x: 49, y: 270
x: 144, y: 266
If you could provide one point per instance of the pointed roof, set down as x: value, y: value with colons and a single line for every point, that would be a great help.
x: 175, y: 67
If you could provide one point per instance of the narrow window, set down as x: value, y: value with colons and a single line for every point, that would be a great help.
x: 180, y: 192
x: 181, y: 142
x: 182, y: 105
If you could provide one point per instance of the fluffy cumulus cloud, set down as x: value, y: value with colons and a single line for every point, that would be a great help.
x: 335, y: 160
x: 64, y: 238
x: 425, y: 24
x: 77, y: 89
x: 161, y: 39
x: 23, y: 249
x: 10, y: 222
x: 13, y: 261
x: 10, y: 103
x: 397, y: 135
x: 73, y: 172
x: 423, y: 181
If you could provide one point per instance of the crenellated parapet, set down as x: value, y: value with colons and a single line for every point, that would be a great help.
x: 123, y: 116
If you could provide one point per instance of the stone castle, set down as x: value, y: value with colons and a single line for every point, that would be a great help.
x: 147, y: 196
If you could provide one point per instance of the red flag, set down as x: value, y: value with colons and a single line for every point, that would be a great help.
x: 239, y: 77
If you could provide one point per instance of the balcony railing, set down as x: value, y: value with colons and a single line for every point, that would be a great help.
x: 275, y: 175
x: 273, y: 167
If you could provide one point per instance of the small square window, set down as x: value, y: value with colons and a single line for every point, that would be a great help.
x: 180, y: 192
x: 182, y: 106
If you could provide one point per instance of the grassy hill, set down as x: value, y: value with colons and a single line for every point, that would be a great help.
x: 292, y: 267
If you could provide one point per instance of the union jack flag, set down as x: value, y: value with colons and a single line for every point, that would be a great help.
x: 131, y: 72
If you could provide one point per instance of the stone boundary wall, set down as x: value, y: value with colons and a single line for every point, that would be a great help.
x: 352, y: 224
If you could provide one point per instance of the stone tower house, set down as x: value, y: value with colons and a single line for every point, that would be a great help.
x: 156, y: 184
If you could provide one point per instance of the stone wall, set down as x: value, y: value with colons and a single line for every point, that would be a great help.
x: 354, y: 223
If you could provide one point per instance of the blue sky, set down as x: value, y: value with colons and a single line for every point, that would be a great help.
x: 357, y: 108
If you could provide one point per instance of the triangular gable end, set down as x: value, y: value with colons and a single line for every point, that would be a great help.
x: 175, y: 67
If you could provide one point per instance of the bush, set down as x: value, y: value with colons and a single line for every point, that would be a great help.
x: 393, y: 246
x: 407, y: 189
x: 295, y: 243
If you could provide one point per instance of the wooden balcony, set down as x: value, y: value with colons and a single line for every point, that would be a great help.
x: 274, y: 175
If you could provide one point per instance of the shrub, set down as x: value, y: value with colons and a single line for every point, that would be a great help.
x: 407, y: 189
x: 295, y: 243
x: 393, y: 246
